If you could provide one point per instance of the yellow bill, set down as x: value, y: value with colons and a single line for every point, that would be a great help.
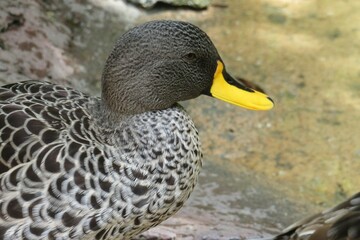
x: 226, y: 88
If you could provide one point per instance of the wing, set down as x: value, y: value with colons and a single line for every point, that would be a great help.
x: 341, y: 222
x: 32, y: 115
x: 41, y: 139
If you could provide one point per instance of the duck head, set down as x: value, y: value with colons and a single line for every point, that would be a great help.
x: 159, y: 63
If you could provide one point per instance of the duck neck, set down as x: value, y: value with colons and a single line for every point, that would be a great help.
x: 104, y: 116
x: 119, y: 100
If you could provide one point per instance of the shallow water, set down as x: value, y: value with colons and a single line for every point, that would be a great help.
x: 263, y: 170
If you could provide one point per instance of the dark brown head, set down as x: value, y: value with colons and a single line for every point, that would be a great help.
x: 159, y: 63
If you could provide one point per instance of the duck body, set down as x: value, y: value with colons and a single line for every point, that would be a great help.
x: 70, y: 176
x: 79, y: 167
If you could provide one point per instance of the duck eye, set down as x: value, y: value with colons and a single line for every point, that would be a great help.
x: 190, y: 56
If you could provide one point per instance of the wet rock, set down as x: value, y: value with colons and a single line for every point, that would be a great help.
x: 159, y: 233
x: 32, y: 44
x: 125, y: 12
x: 181, y: 3
x: 3, y: 67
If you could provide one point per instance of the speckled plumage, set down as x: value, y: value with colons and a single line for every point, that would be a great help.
x: 67, y: 176
x: 80, y: 167
x: 341, y: 222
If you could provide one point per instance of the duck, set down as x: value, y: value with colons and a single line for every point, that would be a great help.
x: 74, y: 166
x: 341, y: 222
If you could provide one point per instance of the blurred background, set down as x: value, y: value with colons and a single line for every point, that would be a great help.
x: 262, y: 170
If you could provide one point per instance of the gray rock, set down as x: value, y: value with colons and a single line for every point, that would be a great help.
x: 180, y: 3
